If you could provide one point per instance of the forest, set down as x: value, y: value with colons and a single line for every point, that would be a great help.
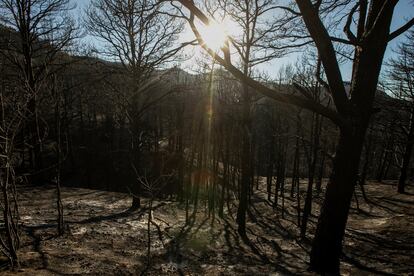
x: 206, y: 137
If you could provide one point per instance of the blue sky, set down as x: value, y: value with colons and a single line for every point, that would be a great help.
x: 403, y: 12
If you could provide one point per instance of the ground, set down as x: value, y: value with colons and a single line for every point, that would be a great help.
x: 104, y: 238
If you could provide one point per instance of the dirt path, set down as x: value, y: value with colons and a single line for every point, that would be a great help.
x: 103, y: 238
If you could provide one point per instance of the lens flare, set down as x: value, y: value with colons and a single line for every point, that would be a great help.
x: 214, y: 35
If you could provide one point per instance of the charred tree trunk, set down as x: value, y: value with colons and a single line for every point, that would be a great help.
x: 59, y: 205
x: 245, y: 163
x: 225, y: 181
x: 407, y: 155
x: 295, y: 170
x: 32, y: 109
x: 10, y: 217
x: 327, y: 244
x: 320, y: 174
x: 385, y: 160
x: 135, y: 163
x: 312, y: 158
x: 270, y: 164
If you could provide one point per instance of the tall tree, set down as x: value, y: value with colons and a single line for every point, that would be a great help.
x: 141, y: 35
x: 44, y: 30
x: 12, y: 111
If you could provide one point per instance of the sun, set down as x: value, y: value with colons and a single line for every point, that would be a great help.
x: 214, y: 35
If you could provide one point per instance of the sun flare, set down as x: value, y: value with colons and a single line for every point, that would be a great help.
x: 214, y: 35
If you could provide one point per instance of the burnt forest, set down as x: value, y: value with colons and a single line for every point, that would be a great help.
x: 206, y: 137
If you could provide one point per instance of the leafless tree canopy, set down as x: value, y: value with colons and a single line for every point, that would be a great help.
x: 138, y: 33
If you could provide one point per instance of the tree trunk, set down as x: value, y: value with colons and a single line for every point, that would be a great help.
x: 225, y: 181
x: 295, y: 170
x: 10, y: 224
x: 245, y: 185
x: 407, y: 155
x: 59, y: 204
x: 312, y: 158
x: 135, y: 156
x: 320, y: 174
x: 269, y: 176
x: 245, y: 164
x: 327, y: 244
x: 36, y: 157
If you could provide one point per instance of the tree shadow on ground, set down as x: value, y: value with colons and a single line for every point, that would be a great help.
x: 357, y: 263
x: 379, y: 242
x: 42, y: 231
